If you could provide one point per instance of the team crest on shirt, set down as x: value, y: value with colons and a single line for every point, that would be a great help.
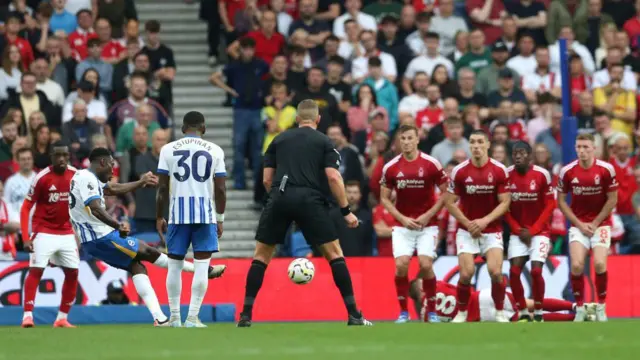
x: 532, y: 186
x: 131, y: 242
x: 89, y: 186
x: 597, y: 179
x: 490, y: 178
x: 421, y: 172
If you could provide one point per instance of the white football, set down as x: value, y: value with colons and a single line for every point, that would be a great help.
x: 301, y: 271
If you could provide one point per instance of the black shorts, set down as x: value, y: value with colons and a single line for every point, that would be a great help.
x: 307, y: 207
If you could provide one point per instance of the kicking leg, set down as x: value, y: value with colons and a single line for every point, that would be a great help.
x: 146, y: 292
x: 261, y: 258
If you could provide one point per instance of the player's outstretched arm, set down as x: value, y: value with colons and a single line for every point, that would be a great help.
x: 612, y: 201
x: 147, y: 179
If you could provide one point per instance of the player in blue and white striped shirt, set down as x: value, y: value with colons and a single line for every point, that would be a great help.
x: 191, y: 175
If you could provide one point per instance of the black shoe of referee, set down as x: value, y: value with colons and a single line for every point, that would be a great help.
x: 358, y: 321
x: 245, y: 320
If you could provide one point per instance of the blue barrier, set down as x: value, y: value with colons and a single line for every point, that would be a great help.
x: 112, y: 314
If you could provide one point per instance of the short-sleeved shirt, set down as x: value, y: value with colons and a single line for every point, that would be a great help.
x: 625, y: 100
x: 475, y: 62
x: 85, y: 188
x: 415, y: 183
x: 267, y: 47
x: 246, y: 80
x: 478, y: 189
x: 588, y: 188
x: 50, y: 193
x: 529, y: 195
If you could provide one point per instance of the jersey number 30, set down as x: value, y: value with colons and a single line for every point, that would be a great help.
x: 193, y: 170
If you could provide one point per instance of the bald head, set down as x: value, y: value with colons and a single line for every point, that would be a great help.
x: 308, y: 112
x: 159, y: 138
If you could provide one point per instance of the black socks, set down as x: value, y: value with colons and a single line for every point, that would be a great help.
x: 342, y: 279
x: 254, y: 283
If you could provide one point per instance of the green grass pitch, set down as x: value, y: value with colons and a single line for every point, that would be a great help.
x: 328, y: 341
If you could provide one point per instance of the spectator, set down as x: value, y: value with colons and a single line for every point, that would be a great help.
x: 541, y: 80
x: 144, y: 119
x: 498, y: 152
x: 10, y: 221
x: 369, y: 141
x: 500, y: 136
x: 630, y: 60
x: 383, y: 223
x: 551, y: 137
x: 337, y: 86
x: 595, y: 22
x: 461, y: 44
x: 390, y: 42
x: 163, y: 65
x: 366, y: 22
x: 112, y: 51
x: 279, y: 115
x: 360, y: 65
x: 407, y: 23
x: 283, y: 19
x: 41, y: 142
x: 79, y: 130
x: 350, y: 47
x: 363, y: 109
x: 386, y: 93
x: 350, y: 165
x: 487, y: 81
x: 36, y: 119
x: 12, y: 28
x: 11, y: 71
x: 104, y: 69
x: 317, y: 29
x: 124, y: 110
x: 415, y: 40
x: 144, y: 216
x: 38, y: 31
x: 92, y: 76
x: 443, y: 151
x: 317, y: 90
x: 618, y: 103
x: 53, y: 90
x: 209, y: 12
x: 580, y: 82
x: 585, y: 115
x: 331, y: 47
x: 437, y: 133
x: 227, y: 9
x: 554, y: 51
x: 96, y: 109
x: 115, y: 294
x: 607, y: 36
x: 531, y: 18
x: 297, y: 73
x: 432, y: 114
x: 441, y: 78
x: 245, y: 78
x: 269, y: 42
x: 602, y: 78
x: 123, y: 70
x: 9, y: 135
x: 356, y: 241
x: 31, y: 100
x: 624, y: 166
x: 447, y: 25
x: 277, y: 73
x: 382, y: 8
x: 426, y: 62
x: 157, y: 89
x: 631, y: 26
x: 467, y: 94
x: 604, y: 132
x: 567, y: 13
x: 132, y: 33
x: 78, y: 38
x: 299, y: 40
x: 61, y: 18
x: 525, y: 62
x: 17, y: 185
x: 510, y: 35
x: 139, y: 146
x: 487, y: 17
x: 62, y: 65
x: 479, y: 56
x: 328, y: 10
x: 417, y: 100
x: 116, y: 12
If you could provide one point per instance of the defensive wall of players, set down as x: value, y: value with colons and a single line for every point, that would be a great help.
x: 285, y: 301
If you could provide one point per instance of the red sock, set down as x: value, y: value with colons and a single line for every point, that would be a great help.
x: 537, y: 287
x: 31, y: 287
x: 554, y: 305
x: 601, y: 287
x: 402, y: 290
x: 429, y: 288
x: 558, y: 317
x: 516, y: 287
x: 464, y: 293
x: 497, y: 294
x: 577, y: 284
x: 69, y: 289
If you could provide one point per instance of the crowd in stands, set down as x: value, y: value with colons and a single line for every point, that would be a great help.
x: 446, y: 66
x: 84, y: 73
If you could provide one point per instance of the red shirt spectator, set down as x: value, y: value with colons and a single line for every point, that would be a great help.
x: 12, y: 38
x: 429, y: 117
x: 269, y: 42
x: 231, y: 7
x: 626, y: 180
x: 632, y: 27
x: 112, y: 49
x: 78, y: 39
x: 381, y: 215
x: 425, y: 5
x: 490, y: 24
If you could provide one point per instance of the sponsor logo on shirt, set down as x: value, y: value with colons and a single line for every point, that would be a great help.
x: 410, y: 184
x: 480, y: 189
x: 587, y: 190
x: 524, y: 196
x: 55, y: 197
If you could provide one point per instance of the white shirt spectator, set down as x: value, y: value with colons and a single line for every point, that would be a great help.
x: 284, y: 21
x: 523, y: 65
x: 413, y: 103
x: 601, y: 78
x: 579, y: 49
x: 95, y: 108
x: 447, y: 28
x: 540, y: 83
x: 9, y: 81
x: 16, y: 189
x: 360, y: 65
x: 347, y: 50
x: 73, y: 6
x: 52, y: 89
x: 427, y: 64
x: 366, y: 22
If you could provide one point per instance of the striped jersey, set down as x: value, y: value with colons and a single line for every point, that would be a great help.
x: 86, y: 187
x: 191, y: 164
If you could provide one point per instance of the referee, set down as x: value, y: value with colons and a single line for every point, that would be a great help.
x: 300, y: 169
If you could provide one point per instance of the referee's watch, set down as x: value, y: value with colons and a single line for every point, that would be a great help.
x: 345, y: 210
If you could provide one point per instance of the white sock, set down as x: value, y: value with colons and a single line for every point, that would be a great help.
x: 174, y: 285
x: 199, y: 285
x: 163, y: 262
x: 27, y: 314
x: 61, y: 316
x: 145, y: 290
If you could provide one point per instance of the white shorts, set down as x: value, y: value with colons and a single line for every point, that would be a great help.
x: 61, y: 250
x: 538, y: 251
x: 488, y: 307
x: 468, y: 245
x: 405, y: 242
x: 601, y: 237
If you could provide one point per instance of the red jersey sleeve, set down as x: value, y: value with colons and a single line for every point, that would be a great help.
x: 442, y: 175
x: 563, y: 186
x: 502, y: 181
x: 454, y: 184
x: 378, y: 214
x: 388, y: 180
x: 611, y: 182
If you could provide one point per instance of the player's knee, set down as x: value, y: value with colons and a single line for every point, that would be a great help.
x: 137, y: 268
x: 263, y: 252
x: 496, y: 276
x: 332, y: 250
x: 599, y: 266
x: 426, y: 265
x: 577, y: 267
x: 466, y: 273
x: 402, y: 269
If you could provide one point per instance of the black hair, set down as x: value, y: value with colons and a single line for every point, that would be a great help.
x: 375, y: 61
x: 93, y: 42
x: 319, y: 68
x: 247, y: 42
x: 98, y: 153
x: 81, y: 11
x: 336, y: 59
x: 58, y: 144
x: 522, y: 145
x: 423, y: 17
x: 432, y: 35
x: 479, y: 132
x: 374, y: 98
x: 332, y: 38
x: 453, y: 163
x: 193, y: 119
x: 152, y: 26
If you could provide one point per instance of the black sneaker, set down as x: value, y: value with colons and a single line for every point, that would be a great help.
x: 358, y: 321
x: 525, y: 318
x: 245, y: 321
x: 538, y: 318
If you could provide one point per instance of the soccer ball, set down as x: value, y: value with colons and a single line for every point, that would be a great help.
x: 301, y: 271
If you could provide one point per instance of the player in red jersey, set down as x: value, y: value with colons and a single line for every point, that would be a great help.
x: 594, y: 194
x: 414, y: 176
x: 481, y: 305
x: 481, y: 184
x: 532, y: 204
x: 52, y: 239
